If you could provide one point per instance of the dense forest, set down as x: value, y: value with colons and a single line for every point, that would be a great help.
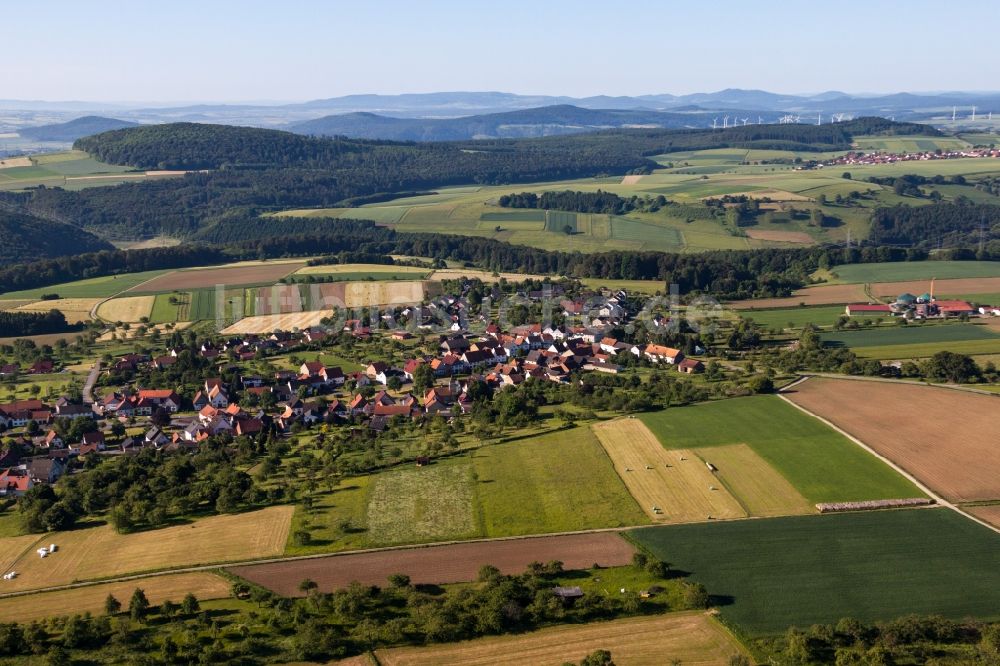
x: 940, y: 225
x: 32, y: 323
x: 582, y: 202
x: 25, y: 237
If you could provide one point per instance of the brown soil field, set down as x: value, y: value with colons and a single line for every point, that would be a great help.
x: 677, y: 482
x: 781, y: 236
x: 91, y: 598
x: 761, y: 489
x: 941, y: 287
x: 284, y: 322
x: 941, y: 436
x: 127, y: 308
x: 13, y: 162
x: 204, y: 278
x: 631, y: 180
x: 75, y: 309
x: 688, y: 638
x: 451, y: 563
x: 100, y: 552
x: 828, y: 294
x: 277, y: 299
x: 990, y: 514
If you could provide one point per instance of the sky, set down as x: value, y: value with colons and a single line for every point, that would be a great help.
x: 292, y: 50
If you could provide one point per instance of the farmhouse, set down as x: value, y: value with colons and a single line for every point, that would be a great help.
x: 659, y: 354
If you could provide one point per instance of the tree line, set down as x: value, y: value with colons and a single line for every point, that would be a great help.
x: 13, y: 324
x: 606, y: 203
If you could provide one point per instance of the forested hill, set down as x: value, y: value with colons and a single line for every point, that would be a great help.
x: 27, y: 238
x: 74, y: 129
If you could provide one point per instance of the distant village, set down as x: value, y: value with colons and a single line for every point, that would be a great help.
x: 422, y: 386
x: 862, y: 158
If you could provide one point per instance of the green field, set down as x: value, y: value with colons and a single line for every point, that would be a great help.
x: 917, y: 270
x: 912, y: 334
x: 348, y: 276
x: 822, y: 464
x: 781, y: 318
x: 165, y: 312
x: 558, y: 482
x: 918, y: 351
x: 100, y: 287
x: 770, y: 574
x: 202, y: 304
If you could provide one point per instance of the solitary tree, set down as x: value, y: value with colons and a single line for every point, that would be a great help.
x: 111, y: 605
x: 138, y: 605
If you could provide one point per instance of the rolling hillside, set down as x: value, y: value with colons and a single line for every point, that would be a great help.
x: 27, y: 238
x: 75, y: 129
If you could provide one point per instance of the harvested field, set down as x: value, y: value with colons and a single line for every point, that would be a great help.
x: 364, y: 294
x: 129, y: 308
x: 44, y: 339
x: 75, y: 309
x: 677, y: 482
x: 989, y: 513
x: 452, y: 563
x: 631, y: 180
x: 284, y: 322
x: 485, y: 276
x: 100, y: 552
x: 90, y: 599
x: 829, y: 294
x: 204, y: 278
x: 979, y: 285
x: 762, y: 491
x: 689, y: 638
x: 14, y: 162
x: 938, y: 435
x: 781, y: 236
x: 335, y: 269
x: 11, y: 548
x: 278, y: 299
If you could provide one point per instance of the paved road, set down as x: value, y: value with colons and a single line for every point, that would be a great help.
x: 88, y: 386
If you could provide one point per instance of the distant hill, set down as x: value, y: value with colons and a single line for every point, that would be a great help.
x: 27, y: 238
x: 75, y: 129
x: 527, y: 123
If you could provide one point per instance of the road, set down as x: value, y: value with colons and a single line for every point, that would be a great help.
x: 88, y: 386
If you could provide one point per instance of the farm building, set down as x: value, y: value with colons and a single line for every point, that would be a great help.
x: 868, y: 310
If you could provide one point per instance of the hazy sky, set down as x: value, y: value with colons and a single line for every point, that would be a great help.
x: 230, y: 50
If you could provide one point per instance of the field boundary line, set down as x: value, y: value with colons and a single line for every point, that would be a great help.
x: 887, y: 380
x: 912, y: 479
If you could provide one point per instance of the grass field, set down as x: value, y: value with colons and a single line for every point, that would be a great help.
x: 915, y: 270
x: 819, y: 462
x: 164, y: 311
x: 755, y: 484
x: 126, y: 309
x: 689, y: 638
x: 770, y: 574
x: 670, y: 486
x: 101, y: 287
x: 558, y: 482
x: 90, y: 599
x: 100, y: 552
x: 913, y: 334
x: 782, y: 318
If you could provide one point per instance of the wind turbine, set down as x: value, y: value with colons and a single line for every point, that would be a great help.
x: 954, y: 110
x: 725, y: 122
x: 715, y: 121
x: 745, y: 121
x: 819, y: 118
x: 973, y: 114
x: 760, y: 121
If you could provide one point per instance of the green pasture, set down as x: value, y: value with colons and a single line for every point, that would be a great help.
x: 767, y: 575
x: 783, y: 318
x: 902, y: 271
x: 911, y: 334
x: 100, y: 287
x: 926, y: 350
x: 822, y: 464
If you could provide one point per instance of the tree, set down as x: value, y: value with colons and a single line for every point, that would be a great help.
x: 598, y: 658
x: 399, y: 580
x: 423, y: 378
x: 307, y: 585
x: 138, y: 605
x: 761, y: 384
x: 190, y: 605
x: 111, y: 605
x: 952, y: 367
x: 160, y: 418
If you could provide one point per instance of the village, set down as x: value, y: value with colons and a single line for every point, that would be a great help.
x: 879, y: 157
x: 128, y: 415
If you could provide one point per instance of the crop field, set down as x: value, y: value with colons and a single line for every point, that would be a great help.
x: 820, y: 295
x: 935, y: 434
x: 366, y: 271
x: 950, y: 286
x: 910, y: 144
x: 782, y: 318
x: 101, y: 287
x: 365, y: 294
x: 416, y: 505
x: 756, y: 485
x: 689, y: 638
x: 100, y: 552
x: 202, y: 306
x: 269, y: 323
x: 771, y: 574
x: 485, y: 276
x: 557, y: 221
x: 75, y: 309
x: 208, y: 278
x: 797, y: 237
x: 819, y: 462
x: 451, y: 563
x: 164, y: 311
x: 127, y: 308
x: 90, y: 599
x: 559, y: 482
x: 670, y: 486
x: 912, y: 334
x: 990, y: 513
x: 915, y: 270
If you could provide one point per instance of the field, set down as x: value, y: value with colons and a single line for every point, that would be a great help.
x: 820, y: 295
x: 353, y: 271
x: 820, y: 463
x: 11, y: 548
x: 689, y: 638
x: 799, y: 237
x: 781, y: 318
x: 100, y: 552
x: 990, y: 513
x: 913, y: 334
x: 285, y: 322
x: 126, y: 309
x: 938, y: 435
x: 165, y: 312
x: 209, y: 278
x: 770, y: 574
x: 433, y: 503
x: 365, y: 294
x: 90, y: 599
x: 452, y: 563
x: 485, y: 276
x: 101, y: 287
x: 670, y: 486
x: 75, y: 309
x: 941, y: 287
x: 918, y: 270
x: 754, y: 483
x: 558, y: 482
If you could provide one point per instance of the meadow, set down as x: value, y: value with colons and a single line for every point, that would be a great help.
x: 101, y: 287
x: 912, y: 334
x: 770, y: 574
x: 915, y: 270
x: 782, y: 318
x: 820, y: 463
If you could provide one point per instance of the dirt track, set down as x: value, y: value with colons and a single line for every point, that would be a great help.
x: 450, y: 563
